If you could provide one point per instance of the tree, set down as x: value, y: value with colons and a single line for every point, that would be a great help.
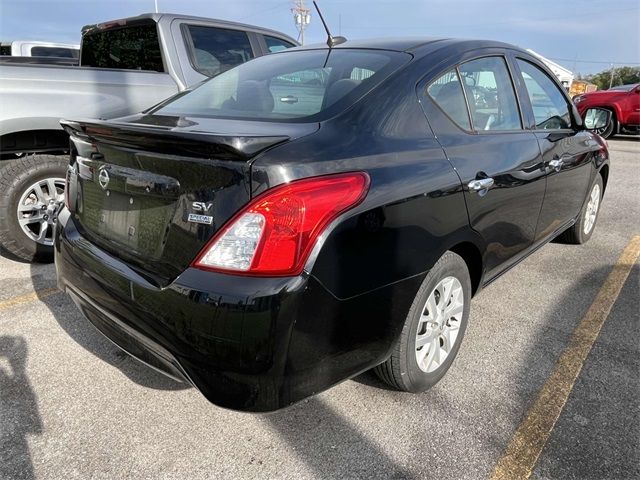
x: 621, y: 76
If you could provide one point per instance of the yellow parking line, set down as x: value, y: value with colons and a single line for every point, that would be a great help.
x: 521, y: 455
x: 30, y: 297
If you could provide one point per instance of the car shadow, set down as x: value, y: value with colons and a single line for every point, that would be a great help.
x: 19, y: 413
x: 327, y: 443
x: 70, y: 319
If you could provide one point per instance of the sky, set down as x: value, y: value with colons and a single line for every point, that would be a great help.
x: 585, y: 36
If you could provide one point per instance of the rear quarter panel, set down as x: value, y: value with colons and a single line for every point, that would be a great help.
x: 414, y: 209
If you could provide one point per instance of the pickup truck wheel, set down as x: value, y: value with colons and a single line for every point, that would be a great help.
x: 32, y: 194
x: 433, y: 329
x: 582, y: 230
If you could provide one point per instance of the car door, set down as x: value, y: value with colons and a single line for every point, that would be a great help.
x: 474, y: 111
x: 566, y: 150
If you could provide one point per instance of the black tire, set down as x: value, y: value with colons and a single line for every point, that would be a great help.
x: 401, y: 370
x: 15, y: 177
x: 576, y: 234
x: 611, y: 129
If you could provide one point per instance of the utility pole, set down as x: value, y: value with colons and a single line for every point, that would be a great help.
x: 301, y: 17
x: 156, y: 3
x: 613, y: 69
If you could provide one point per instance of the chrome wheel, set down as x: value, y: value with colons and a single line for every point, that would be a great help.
x: 592, y: 209
x: 38, y: 208
x: 439, y: 324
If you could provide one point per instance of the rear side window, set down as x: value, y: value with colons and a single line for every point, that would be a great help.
x: 447, y: 92
x: 291, y: 85
x: 490, y: 93
x: 276, y: 44
x: 550, y: 108
x: 216, y: 50
x: 134, y: 47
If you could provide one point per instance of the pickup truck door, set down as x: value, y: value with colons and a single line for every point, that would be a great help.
x: 631, y: 106
x: 566, y: 151
x: 497, y: 160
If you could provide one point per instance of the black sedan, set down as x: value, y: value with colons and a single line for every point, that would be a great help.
x: 319, y: 212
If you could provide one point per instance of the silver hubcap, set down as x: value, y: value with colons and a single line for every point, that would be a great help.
x: 38, y: 208
x: 592, y: 209
x: 439, y: 324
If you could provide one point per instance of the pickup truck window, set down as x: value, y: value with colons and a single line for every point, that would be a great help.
x: 59, y: 52
x: 134, y: 47
x: 304, y: 86
x: 216, y: 50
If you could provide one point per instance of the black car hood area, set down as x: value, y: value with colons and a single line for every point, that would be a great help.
x: 153, y: 190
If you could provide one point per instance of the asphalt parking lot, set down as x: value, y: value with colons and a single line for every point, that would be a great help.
x: 73, y: 406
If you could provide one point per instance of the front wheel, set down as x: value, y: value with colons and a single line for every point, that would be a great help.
x: 433, y: 329
x: 32, y: 194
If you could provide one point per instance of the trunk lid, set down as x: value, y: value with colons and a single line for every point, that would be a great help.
x: 153, y: 190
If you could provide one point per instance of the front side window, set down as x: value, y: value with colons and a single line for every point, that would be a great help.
x: 490, y: 94
x: 216, y: 50
x: 550, y: 108
x: 132, y: 48
x: 292, y: 86
x: 447, y: 92
x: 276, y: 44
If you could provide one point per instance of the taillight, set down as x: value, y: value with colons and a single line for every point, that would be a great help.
x: 275, y: 233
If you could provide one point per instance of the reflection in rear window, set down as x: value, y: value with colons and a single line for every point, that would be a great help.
x: 293, y: 85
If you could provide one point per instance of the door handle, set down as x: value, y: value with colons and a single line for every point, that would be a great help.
x: 481, y: 186
x: 289, y: 99
x: 556, y: 164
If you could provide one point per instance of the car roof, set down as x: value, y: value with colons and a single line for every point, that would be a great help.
x: 171, y: 16
x: 415, y: 45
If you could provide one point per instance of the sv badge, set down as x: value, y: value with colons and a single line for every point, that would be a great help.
x: 202, y: 206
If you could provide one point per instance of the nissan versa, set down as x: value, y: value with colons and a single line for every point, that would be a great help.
x: 318, y: 212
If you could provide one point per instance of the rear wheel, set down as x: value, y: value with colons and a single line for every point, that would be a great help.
x: 433, y: 329
x: 33, y: 193
x: 582, y: 230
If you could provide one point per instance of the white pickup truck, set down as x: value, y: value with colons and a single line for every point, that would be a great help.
x: 126, y: 66
x: 31, y: 48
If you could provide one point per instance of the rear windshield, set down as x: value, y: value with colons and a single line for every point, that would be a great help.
x: 303, y: 85
x: 134, y: 47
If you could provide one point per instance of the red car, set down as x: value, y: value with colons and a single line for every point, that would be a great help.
x: 622, y: 101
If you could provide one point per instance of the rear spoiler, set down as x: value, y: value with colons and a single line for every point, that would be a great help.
x: 171, y: 141
x: 146, y: 18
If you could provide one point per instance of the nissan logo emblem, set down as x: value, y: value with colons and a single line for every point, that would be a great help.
x: 103, y: 178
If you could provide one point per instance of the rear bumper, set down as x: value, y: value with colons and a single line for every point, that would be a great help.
x: 250, y: 344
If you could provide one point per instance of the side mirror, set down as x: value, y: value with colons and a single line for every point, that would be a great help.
x: 596, y: 118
